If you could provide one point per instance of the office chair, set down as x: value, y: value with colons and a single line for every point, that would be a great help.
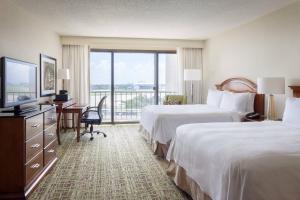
x: 93, y: 116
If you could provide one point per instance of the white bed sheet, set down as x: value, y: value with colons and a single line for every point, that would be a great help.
x: 161, y: 121
x: 240, y: 161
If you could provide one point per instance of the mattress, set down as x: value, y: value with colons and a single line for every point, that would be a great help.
x: 259, y: 160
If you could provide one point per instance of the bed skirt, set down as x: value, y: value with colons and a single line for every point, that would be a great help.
x: 157, y: 148
x: 185, y: 183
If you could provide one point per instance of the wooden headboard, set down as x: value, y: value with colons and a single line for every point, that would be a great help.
x: 239, y: 85
x: 296, y: 91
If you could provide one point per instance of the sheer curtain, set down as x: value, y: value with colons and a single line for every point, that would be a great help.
x: 190, y: 58
x: 75, y: 57
x: 171, y: 74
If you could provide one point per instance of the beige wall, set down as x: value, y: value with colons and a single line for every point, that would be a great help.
x: 269, y: 46
x: 132, y: 44
x: 24, y: 37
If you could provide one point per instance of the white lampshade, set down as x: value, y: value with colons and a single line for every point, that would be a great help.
x: 63, y: 74
x: 192, y: 75
x: 271, y: 85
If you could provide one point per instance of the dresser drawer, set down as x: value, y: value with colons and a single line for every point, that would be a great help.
x: 50, y: 118
x: 34, y: 167
x: 34, y: 125
x: 34, y: 146
x: 49, y: 135
x: 50, y: 153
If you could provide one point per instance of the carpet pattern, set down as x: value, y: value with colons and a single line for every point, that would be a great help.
x: 120, y: 166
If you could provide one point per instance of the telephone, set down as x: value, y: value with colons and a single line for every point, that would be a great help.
x: 253, y: 115
x: 62, y: 96
x: 63, y: 92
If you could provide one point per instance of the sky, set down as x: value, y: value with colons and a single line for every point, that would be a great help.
x: 18, y: 73
x: 130, y: 68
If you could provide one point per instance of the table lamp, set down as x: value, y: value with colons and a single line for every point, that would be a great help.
x: 271, y: 86
x: 192, y: 75
x: 63, y: 74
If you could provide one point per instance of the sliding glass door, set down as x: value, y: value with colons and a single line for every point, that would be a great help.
x: 131, y: 81
x: 134, y: 84
x: 101, y: 81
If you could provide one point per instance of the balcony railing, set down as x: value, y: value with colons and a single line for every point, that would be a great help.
x: 15, y: 96
x: 127, y: 104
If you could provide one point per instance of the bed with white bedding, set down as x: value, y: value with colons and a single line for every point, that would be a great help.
x: 239, y: 161
x: 159, y: 122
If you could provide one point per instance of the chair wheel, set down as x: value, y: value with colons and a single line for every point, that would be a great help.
x: 104, y: 135
x: 98, y: 133
x: 91, y: 138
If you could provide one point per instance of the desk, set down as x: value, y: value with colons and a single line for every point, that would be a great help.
x: 76, y: 109
x: 64, y: 107
x: 68, y: 107
x: 60, y: 106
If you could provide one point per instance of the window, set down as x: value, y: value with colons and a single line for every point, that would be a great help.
x: 131, y: 81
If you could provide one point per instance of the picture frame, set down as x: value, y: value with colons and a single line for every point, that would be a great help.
x: 47, y: 75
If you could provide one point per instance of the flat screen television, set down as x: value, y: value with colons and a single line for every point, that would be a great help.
x: 18, y: 83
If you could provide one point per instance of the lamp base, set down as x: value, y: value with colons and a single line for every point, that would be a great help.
x: 271, y: 114
x: 192, y: 92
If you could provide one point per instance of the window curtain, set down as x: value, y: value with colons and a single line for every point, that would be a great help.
x: 190, y: 58
x: 75, y: 58
x: 171, y: 74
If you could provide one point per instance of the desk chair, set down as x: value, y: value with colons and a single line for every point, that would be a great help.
x: 93, y: 116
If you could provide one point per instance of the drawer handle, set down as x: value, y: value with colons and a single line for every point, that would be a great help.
x: 50, y: 151
x: 35, y: 125
x: 35, y: 166
x: 35, y: 146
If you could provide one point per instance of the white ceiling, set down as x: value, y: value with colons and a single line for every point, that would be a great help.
x: 166, y: 19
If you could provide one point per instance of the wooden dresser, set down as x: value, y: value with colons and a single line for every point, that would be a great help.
x: 27, y: 151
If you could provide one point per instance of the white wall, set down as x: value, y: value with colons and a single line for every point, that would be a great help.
x: 24, y: 37
x: 269, y: 46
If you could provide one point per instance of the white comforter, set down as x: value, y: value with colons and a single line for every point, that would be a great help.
x: 245, y: 161
x: 161, y: 121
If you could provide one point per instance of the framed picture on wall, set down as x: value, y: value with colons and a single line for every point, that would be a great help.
x: 47, y: 75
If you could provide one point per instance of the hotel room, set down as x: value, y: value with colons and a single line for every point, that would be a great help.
x: 136, y: 99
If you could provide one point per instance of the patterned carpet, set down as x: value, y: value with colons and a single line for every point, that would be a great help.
x: 120, y: 166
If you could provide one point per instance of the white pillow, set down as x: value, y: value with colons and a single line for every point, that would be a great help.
x: 214, y: 97
x: 292, y: 111
x: 250, y: 106
x: 237, y: 102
